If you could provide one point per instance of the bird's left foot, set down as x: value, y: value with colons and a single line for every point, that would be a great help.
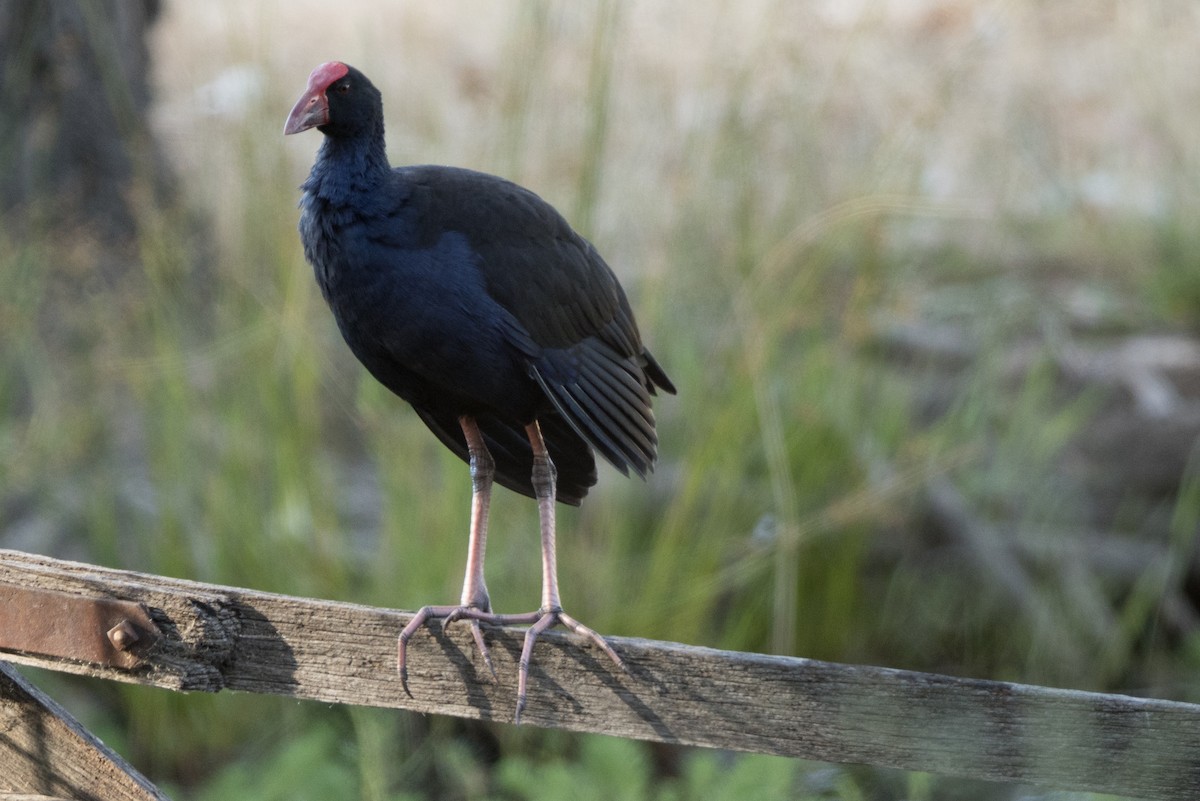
x: 542, y: 620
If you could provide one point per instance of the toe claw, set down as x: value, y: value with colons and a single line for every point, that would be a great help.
x: 546, y: 621
x: 406, y: 634
x: 477, y: 633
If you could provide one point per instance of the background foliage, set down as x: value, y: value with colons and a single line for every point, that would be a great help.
x: 863, y: 238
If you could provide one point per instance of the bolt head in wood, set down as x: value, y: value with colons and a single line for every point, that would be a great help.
x: 123, y: 635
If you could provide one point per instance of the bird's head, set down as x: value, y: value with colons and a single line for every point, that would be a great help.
x: 339, y: 101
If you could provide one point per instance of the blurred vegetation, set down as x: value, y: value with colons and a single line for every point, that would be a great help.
x: 210, y: 424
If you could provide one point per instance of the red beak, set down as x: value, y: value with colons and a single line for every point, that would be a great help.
x: 311, y: 110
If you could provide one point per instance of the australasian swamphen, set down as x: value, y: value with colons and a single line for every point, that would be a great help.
x: 473, y: 299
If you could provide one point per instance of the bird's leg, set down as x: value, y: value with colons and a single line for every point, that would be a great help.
x: 474, y: 593
x: 545, y: 480
x: 551, y: 612
x: 475, y: 603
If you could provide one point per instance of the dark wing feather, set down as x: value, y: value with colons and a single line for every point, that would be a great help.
x: 567, y: 302
x: 597, y: 389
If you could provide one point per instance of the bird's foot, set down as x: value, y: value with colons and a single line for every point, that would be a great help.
x: 542, y: 620
x: 449, y: 614
x: 539, y: 622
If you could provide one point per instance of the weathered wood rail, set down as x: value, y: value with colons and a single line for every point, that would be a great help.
x: 46, y: 754
x: 222, y: 638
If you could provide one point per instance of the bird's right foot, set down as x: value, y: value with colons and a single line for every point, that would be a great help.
x: 449, y: 614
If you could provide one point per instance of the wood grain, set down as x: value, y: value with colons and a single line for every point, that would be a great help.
x: 236, y: 639
x: 46, y: 754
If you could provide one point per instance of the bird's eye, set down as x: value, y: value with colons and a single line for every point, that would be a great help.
x: 343, y: 87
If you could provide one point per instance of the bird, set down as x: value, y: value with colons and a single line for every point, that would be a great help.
x: 473, y: 299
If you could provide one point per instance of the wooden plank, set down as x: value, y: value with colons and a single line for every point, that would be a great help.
x: 46, y: 753
x: 218, y: 637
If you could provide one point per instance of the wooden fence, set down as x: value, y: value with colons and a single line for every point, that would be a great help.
x: 188, y: 636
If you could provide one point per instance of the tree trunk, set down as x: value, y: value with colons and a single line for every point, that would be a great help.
x: 75, y: 148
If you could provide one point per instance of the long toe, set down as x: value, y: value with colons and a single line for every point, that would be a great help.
x: 476, y: 632
x: 548, y: 620
x: 577, y: 627
x: 449, y: 614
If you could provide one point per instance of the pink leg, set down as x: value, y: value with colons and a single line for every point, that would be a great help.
x: 551, y: 613
x: 475, y: 605
x: 474, y: 594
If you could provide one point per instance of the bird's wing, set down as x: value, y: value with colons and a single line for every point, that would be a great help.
x: 560, y: 295
x: 603, y: 394
x: 592, y: 366
x: 550, y: 279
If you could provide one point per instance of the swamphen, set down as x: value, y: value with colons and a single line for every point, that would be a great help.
x: 473, y: 299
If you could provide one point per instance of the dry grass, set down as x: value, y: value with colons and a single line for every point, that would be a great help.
x: 989, y: 111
